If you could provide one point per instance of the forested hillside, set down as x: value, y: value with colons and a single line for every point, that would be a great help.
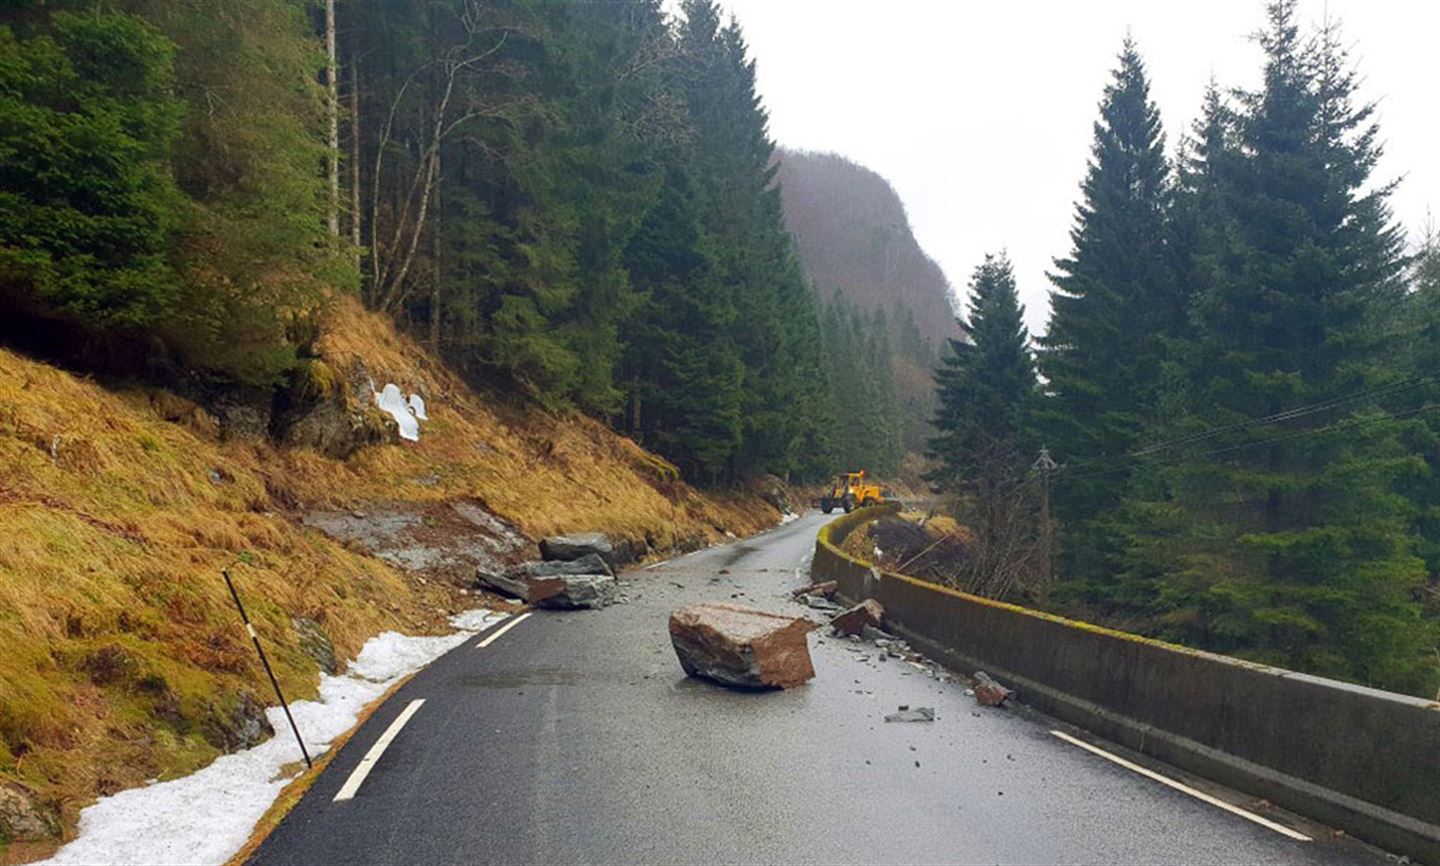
x: 574, y: 204
x: 1238, y: 384
x: 880, y: 292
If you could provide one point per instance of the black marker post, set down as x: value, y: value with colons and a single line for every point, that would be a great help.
x: 266, y: 662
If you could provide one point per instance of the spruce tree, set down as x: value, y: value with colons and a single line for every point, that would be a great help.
x: 681, y: 370
x: 986, y: 387
x: 776, y: 323
x: 88, y: 206
x: 986, y: 391
x: 1114, y: 303
x: 1282, y: 536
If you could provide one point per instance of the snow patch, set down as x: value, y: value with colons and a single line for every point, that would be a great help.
x: 392, y: 402
x: 788, y: 517
x: 417, y: 407
x: 207, y: 816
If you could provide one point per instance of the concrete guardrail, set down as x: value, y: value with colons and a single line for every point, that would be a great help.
x: 1359, y: 759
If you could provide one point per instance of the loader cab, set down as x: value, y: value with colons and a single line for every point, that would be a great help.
x: 846, y: 482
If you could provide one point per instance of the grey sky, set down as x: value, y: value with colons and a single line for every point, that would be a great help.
x: 980, y: 113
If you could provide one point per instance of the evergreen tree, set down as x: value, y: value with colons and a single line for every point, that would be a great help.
x: 1282, y: 536
x: 682, y: 372
x: 1114, y: 303
x: 776, y: 324
x: 986, y: 392
x: 986, y: 388
x: 87, y: 204
x: 1422, y: 361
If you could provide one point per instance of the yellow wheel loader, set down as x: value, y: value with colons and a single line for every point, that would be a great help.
x: 850, y: 491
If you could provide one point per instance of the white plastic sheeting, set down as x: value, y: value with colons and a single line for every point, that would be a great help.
x: 392, y: 402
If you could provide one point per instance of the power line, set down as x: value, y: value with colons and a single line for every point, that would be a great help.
x: 1286, y: 415
x: 1298, y: 434
x: 1297, y: 412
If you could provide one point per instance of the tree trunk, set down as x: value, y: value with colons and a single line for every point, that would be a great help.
x: 438, y: 275
x: 332, y: 112
x: 355, y: 212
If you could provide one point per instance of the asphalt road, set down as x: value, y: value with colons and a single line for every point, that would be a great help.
x: 574, y: 737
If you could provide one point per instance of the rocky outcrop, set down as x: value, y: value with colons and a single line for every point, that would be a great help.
x: 246, y: 421
x: 447, y: 541
x: 853, y: 621
x: 22, y: 818
x: 776, y: 494
x: 315, y: 643
x: 238, y: 726
x: 741, y: 646
x: 314, y: 412
x: 330, y: 427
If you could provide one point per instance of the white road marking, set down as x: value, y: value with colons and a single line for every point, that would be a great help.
x: 1185, y: 789
x: 495, y: 635
x: 367, y: 763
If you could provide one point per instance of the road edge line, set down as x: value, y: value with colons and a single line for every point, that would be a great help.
x: 362, y: 770
x: 499, y: 632
x: 1184, y: 789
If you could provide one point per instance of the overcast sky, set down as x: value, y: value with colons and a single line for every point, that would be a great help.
x: 980, y: 114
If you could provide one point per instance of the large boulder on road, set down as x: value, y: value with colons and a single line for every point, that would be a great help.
x: 741, y: 646
x: 590, y: 563
x: 571, y: 547
x: 553, y: 585
x: 572, y: 591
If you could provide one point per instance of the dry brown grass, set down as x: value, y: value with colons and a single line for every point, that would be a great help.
x: 117, y: 640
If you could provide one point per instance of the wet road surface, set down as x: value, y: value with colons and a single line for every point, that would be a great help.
x: 574, y: 737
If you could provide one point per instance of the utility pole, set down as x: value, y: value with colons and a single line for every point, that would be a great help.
x: 1045, y: 464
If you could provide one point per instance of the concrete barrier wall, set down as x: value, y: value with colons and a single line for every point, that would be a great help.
x: 1359, y: 759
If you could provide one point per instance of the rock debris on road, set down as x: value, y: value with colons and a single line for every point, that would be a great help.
x: 576, y: 738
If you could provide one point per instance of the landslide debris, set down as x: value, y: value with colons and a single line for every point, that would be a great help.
x: 742, y: 647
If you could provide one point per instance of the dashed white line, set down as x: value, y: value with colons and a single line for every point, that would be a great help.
x: 495, y: 635
x: 367, y: 763
x: 1183, y: 788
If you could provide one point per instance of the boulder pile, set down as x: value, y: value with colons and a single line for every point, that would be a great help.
x: 575, y: 573
x: 742, y: 647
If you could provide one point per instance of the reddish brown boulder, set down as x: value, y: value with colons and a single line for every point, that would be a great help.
x: 741, y: 646
x: 853, y: 621
x: 826, y: 588
x: 989, y: 693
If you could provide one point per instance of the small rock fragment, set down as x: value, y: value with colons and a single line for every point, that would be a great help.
x: 820, y: 602
x: 919, y: 714
x: 868, y: 612
x: 989, y: 693
x: 826, y: 588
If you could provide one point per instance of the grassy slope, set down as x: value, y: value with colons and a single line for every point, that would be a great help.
x: 118, y: 645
